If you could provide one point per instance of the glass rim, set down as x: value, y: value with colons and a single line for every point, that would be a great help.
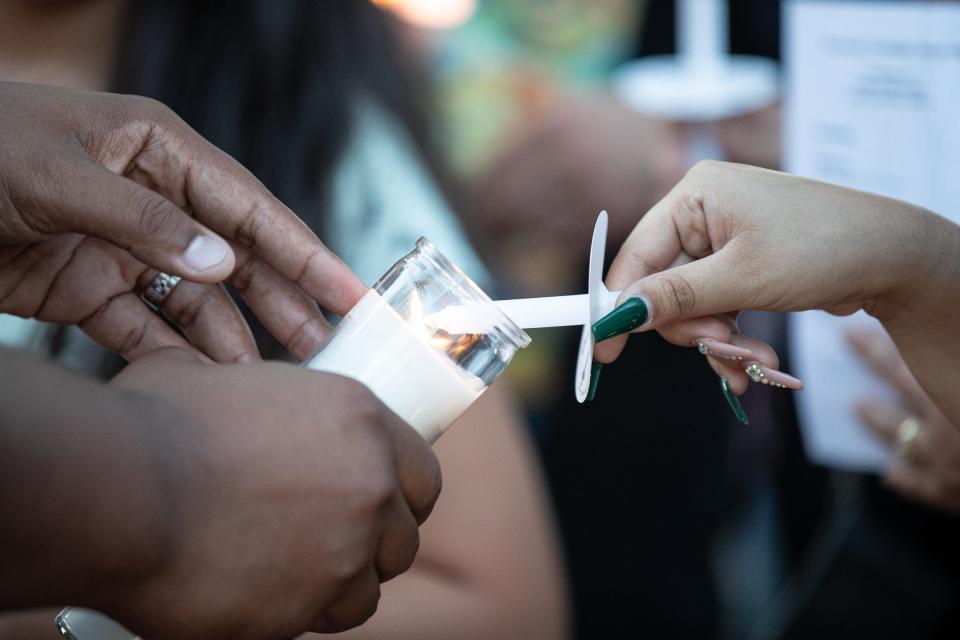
x: 507, y: 326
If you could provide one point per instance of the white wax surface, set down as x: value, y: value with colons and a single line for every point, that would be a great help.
x: 374, y: 345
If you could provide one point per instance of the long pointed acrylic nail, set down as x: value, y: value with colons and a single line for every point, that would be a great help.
x: 766, y: 375
x: 594, y: 380
x: 627, y: 317
x: 723, y: 350
x: 734, y: 402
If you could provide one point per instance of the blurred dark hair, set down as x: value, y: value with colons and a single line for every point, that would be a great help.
x: 271, y: 83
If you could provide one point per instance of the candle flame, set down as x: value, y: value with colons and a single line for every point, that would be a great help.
x: 456, y: 346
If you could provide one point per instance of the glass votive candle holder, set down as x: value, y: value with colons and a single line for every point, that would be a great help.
x: 390, y: 342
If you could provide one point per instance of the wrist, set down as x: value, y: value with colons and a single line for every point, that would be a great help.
x: 925, y: 315
x: 141, y: 526
x: 922, y: 272
x: 82, y: 490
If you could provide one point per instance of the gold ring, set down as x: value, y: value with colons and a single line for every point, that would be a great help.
x: 907, y: 434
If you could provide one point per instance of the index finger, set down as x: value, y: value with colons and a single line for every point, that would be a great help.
x: 653, y: 245
x: 674, y: 231
x: 227, y: 198
x: 247, y: 212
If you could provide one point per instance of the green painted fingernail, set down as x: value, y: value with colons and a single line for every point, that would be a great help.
x: 627, y: 317
x: 734, y: 402
x: 594, y: 380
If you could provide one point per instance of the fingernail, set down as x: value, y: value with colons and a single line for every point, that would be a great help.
x: 206, y: 252
x: 734, y: 402
x: 772, y: 377
x: 627, y: 317
x: 594, y: 380
x: 723, y: 350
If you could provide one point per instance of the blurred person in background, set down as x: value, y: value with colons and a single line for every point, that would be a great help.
x: 317, y: 101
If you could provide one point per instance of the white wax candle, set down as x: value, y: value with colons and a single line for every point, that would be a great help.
x: 376, y: 346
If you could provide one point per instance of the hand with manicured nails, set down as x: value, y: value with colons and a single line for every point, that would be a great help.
x: 99, y: 191
x: 927, y: 467
x: 731, y: 237
x: 290, y: 496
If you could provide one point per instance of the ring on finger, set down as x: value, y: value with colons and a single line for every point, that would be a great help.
x: 159, y: 289
x: 907, y: 434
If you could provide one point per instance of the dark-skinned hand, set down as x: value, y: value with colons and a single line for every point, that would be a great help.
x: 291, y: 496
x: 99, y: 191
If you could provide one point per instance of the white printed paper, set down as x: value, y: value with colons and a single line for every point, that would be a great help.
x: 873, y: 103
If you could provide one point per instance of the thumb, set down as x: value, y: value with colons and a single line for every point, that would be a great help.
x: 704, y: 287
x: 700, y: 288
x: 156, y: 231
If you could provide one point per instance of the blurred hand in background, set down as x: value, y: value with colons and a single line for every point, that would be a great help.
x: 927, y: 467
x: 753, y: 138
x: 575, y: 157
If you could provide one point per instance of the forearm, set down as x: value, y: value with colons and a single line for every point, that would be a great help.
x: 924, y: 316
x: 80, y: 496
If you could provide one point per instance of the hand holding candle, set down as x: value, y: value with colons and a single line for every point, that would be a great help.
x: 732, y: 237
x: 269, y: 500
x: 596, y: 312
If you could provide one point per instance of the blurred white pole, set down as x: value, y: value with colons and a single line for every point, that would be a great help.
x: 702, y: 82
x: 702, y: 40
